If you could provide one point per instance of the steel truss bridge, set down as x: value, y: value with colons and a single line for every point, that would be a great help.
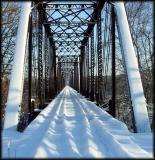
x: 72, y: 43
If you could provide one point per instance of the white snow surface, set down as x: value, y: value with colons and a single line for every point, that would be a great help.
x: 71, y: 126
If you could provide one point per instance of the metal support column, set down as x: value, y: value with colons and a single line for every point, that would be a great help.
x: 92, y: 67
x: 139, y: 106
x: 40, y: 57
x: 59, y: 75
x: 113, y: 60
x: 54, y: 69
x: 88, y: 74
x: 100, y: 66
x: 46, y: 67
x: 16, y: 86
x: 85, y: 73
x: 30, y: 64
x: 76, y: 76
x: 81, y: 70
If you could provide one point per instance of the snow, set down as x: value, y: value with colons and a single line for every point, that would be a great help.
x: 136, y: 90
x: 72, y: 126
x: 37, y: 110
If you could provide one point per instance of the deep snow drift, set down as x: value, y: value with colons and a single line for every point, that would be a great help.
x: 71, y: 126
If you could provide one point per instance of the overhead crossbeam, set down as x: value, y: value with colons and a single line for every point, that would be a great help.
x: 71, y: 2
x: 69, y: 22
x: 97, y: 10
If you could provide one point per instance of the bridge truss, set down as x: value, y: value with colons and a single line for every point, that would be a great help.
x: 73, y: 43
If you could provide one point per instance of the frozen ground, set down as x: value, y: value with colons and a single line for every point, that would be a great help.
x: 71, y: 126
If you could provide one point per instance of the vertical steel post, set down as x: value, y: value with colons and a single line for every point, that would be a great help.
x: 81, y: 70
x: 100, y: 66
x: 54, y: 70
x: 30, y: 63
x: 113, y: 110
x: 85, y: 73
x: 17, y: 75
x: 139, y: 106
x: 78, y: 74
x: 75, y: 76
x: 46, y: 66
x: 40, y: 56
x: 92, y: 67
x: 88, y: 74
x: 59, y: 75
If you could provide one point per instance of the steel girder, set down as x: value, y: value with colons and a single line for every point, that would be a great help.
x: 30, y: 65
x: 76, y: 77
x: 113, y: 110
x: 82, y: 70
x: 100, y: 66
x: 40, y: 58
x: 88, y: 73
x: 92, y: 83
x: 46, y: 58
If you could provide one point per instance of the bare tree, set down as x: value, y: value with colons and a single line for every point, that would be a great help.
x: 10, y: 16
x: 140, y: 16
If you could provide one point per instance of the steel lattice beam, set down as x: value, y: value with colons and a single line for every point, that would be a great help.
x: 88, y: 74
x: 81, y: 69
x: 92, y: 67
x: 76, y: 76
x: 40, y: 57
x: 46, y: 67
x: 100, y: 66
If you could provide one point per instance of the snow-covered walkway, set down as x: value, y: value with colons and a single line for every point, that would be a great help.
x: 71, y: 126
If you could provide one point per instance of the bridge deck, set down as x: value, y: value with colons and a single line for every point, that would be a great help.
x: 72, y: 126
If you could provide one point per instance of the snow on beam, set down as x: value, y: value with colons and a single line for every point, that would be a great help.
x: 17, y: 75
x: 132, y: 70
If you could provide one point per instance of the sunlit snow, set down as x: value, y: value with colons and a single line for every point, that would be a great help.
x: 71, y: 126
